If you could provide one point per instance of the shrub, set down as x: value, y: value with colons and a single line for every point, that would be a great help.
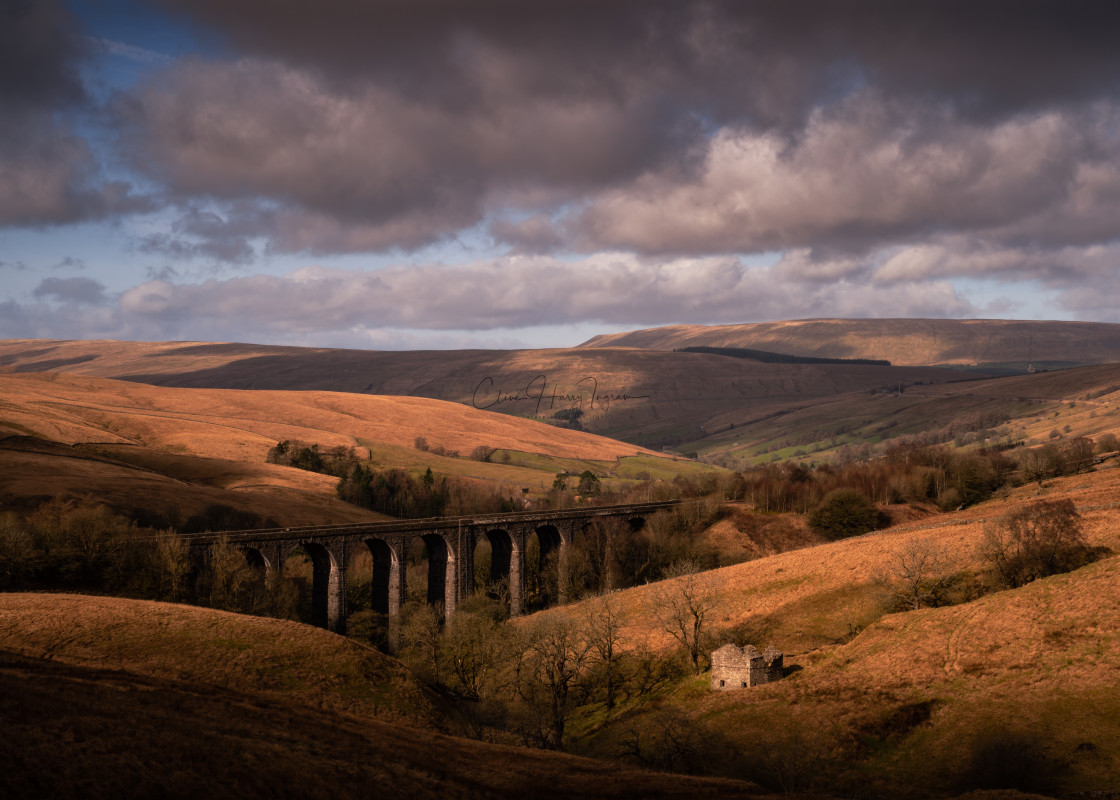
x: 1036, y: 540
x: 482, y: 453
x: 843, y: 513
x: 588, y: 482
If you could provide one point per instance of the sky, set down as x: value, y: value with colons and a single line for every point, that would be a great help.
x: 414, y: 174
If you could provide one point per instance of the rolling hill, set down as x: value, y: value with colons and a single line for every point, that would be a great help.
x: 1023, y: 408
x: 646, y: 397
x: 876, y: 703
x: 916, y: 342
x: 166, y: 455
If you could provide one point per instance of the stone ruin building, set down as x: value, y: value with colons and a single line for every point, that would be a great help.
x: 739, y: 667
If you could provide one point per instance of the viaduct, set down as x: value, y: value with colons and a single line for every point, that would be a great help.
x: 450, y: 542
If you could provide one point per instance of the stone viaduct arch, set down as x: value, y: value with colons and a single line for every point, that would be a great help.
x: 450, y: 543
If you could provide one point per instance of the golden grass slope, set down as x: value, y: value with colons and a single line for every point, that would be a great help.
x: 123, y: 698
x: 243, y: 425
x: 272, y: 657
x: 900, y: 341
x: 806, y: 599
x: 161, y: 490
x: 164, y: 456
x: 902, y: 705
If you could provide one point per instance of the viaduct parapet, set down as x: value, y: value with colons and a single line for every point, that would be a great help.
x: 450, y: 543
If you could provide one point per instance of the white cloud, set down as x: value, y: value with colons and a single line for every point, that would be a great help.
x: 869, y: 173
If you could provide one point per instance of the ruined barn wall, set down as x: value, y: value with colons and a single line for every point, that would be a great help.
x: 740, y: 667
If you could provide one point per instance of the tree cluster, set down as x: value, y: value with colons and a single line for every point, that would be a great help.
x: 422, y: 444
x: 1054, y: 459
x: 65, y: 545
x: 569, y: 418
x: 336, y: 461
x: 843, y: 513
x: 88, y: 547
x: 908, y: 472
x: 401, y: 494
x: 609, y: 554
x: 526, y: 681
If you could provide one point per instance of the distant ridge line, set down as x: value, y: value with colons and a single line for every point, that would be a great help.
x: 911, y: 342
x: 780, y: 358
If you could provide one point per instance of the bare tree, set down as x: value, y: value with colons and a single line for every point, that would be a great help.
x: 170, y: 566
x: 1078, y: 453
x: 1042, y: 462
x: 673, y: 742
x: 684, y: 601
x: 229, y: 575
x: 604, y: 627
x: 422, y: 640
x: 549, y: 677
x: 16, y: 549
x: 919, y: 576
x: 475, y: 646
x: 794, y: 759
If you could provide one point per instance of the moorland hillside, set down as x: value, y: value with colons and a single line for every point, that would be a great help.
x: 875, y: 702
x: 647, y: 397
x: 167, y: 455
x: 1009, y: 411
x: 900, y: 341
x: 896, y: 703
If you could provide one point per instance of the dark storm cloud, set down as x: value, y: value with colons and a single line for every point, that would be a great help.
x: 39, y: 47
x: 48, y: 174
x: 680, y: 126
x: 988, y: 55
x: 369, y: 168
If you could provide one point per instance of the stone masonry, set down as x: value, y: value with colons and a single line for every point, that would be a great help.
x: 450, y: 543
x: 739, y: 667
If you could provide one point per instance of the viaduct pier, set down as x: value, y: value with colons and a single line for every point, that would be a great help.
x: 450, y: 543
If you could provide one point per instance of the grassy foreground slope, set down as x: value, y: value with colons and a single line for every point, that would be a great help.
x: 900, y: 341
x: 125, y: 698
x: 270, y: 657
